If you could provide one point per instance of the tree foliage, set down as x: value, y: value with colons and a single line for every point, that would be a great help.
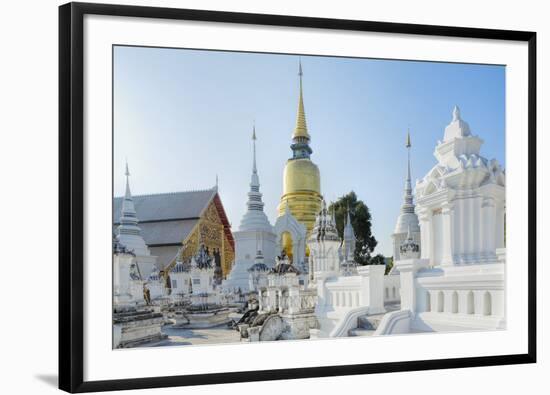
x: 389, y: 265
x: 361, y: 222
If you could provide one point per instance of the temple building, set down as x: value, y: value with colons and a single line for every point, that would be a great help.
x: 255, y: 234
x: 301, y: 179
x: 407, y: 222
x: 170, y: 221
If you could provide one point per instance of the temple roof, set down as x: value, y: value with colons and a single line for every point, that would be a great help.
x: 168, y: 218
x: 167, y: 232
x: 167, y: 206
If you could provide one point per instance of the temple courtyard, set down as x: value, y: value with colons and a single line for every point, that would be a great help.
x: 184, y: 337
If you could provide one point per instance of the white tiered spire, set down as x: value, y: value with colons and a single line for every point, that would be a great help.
x: 349, y: 239
x: 407, y: 219
x: 255, y: 236
x: 255, y: 218
x: 128, y: 218
x: 408, y: 206
x: 129, y: 233
x: 254, y: 196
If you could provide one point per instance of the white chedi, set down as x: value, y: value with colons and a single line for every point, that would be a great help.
x: 255, y: 233
x: 461, y: 201
x: 348, y: 244
x: 128, y: 232
x: 132, y: 261
x: 324, y: 246
x: 407, y: 222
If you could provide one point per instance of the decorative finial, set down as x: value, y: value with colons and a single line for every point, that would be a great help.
x: 254, y: 169
x: 300, y: 130
x: 408, y: 145
x: 216, y: 186
x: 456, y: 113
x: 127, y: 193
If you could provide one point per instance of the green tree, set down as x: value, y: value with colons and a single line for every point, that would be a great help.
x: 389, y: 265
x: 361, y: 222
x: 378, y: 259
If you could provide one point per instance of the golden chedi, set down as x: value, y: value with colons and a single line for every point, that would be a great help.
x: 301, y: 178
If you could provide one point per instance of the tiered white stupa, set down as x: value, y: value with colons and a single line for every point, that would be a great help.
x: 129, y: 241
x: 128, y: 232
x: 461, y: 201
x: 407, y: 222
x: 348, y: 244
x: 255, y: 234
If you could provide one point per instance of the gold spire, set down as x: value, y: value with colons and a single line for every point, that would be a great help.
x: 301, y: 126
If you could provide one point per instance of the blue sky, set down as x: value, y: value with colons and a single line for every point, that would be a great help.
x: 183, y: 116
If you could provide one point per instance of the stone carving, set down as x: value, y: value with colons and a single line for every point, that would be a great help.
x: 272, y: 328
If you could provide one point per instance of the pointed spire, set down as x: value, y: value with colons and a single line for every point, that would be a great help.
x: 127, y: 174
x: 456, y: 113
x: 129, y: 233
x: 254, y: 170
x: 349, y: 238
x: 128, y: 212
x: 254, y: 196
x: 408, y: 145
x: 408, y: 206
x: 301, y: 125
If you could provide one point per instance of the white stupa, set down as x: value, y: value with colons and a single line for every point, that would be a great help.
x: 255, y: 234
x: 128, y: 232
x: 461, y: 202
x: 130, y: 253
x: 407, y: 221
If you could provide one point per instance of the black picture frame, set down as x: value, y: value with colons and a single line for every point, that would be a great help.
x: 71, y: 171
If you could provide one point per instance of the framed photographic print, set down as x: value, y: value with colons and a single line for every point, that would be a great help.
x: 236, y: 189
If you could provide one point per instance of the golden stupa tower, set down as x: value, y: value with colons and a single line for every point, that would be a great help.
x: 301, y: 178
